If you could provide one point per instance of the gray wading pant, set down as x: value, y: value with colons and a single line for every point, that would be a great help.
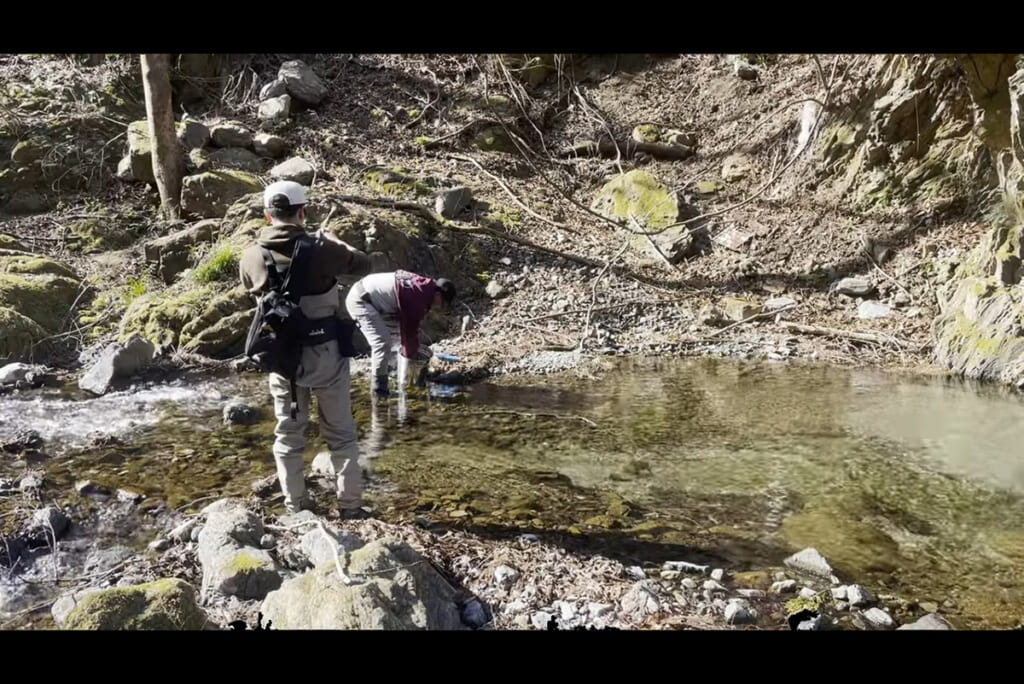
x: 382, y: 333
x: 323, y: 373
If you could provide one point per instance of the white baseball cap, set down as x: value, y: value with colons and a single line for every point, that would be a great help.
x: 284, y: 194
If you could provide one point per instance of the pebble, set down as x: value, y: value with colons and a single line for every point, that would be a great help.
x: 933, y: 621
x: 784, y: 587
x: 670, y: 575
x: 159, y: 545
x: 751, y: 593
x: 929, y: 607
x: 567, y: 610
x: 521, y: 622
x: 127, y: 496
x: 811, y: 562
x: 712, y: 585
x: 183, y: 532
x: 635, y: 572
x: 807, y: 592
x: 596, y: 610
x: 540, y: 619
x: 780, y: 577
x: 530, y: 538
x: 505, y: 576
x: 854, y: 287
x: 739, y: 612
x: 689, y: 583
x: 839, y: 593
x: 810, y: 625
x: 514, y: 607
x: 858, y: 596
x: 871, y: 310
x: 718, y: 574
x: 267, y: 541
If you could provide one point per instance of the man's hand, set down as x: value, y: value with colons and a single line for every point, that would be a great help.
x: 380, y: 386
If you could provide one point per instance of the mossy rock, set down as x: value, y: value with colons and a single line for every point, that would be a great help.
x: 211, y: 194
x: 640, y: 194
x: 396, y: 182
x: 851, y: 546
x: 20, y: 333
x: 494, y: 139
x: 100, y: 235
x: 160, y: 317
x: 221, y: 327
x: 46, y: 299
x: 34, y: 265
x: 166, y: 604
x: 12, y: 243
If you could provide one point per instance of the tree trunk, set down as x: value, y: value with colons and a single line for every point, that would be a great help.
x: 163, y: 138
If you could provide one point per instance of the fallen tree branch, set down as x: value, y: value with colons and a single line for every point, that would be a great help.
x: 763, y: 314
x: 872, y: 338
x: 606, y: 147
x: 504, y: 186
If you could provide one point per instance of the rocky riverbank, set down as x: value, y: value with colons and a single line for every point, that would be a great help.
x: 229, y: 567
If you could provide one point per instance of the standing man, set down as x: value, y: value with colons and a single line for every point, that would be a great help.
x: 322, y: 370
x: 386, y: 305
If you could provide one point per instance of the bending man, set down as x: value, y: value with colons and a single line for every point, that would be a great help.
x: 386, y: 305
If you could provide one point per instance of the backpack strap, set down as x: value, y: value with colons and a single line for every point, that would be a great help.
x: 273, y: 272
x: 302, y: 258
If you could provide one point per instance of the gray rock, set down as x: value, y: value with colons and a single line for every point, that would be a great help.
x: 807, y: 592
x: 452, y: 202
x: 932, y: 621
x: 275, y: 109
x: 688, y: 583
x: 275, y: 88
x: 183, y: 532
x: 159, y: 545
x: 718, y: 574
x: 15, y: 372
x: 295, y: 169
x: 712, y: 585
x: 858, y: 596
x: 876, y: 618
x: 811, y: 562
x: 30, y: 482
x: 140, y: 152
x: 192, y: 134
x: 196, y: 532
x: 66, y: 603
x: 128, y: 496
x: 855, y: 287
x: 118, y: 361
x: 783, y: 587
x: 302, y: 83
x: 495, y: 290
x: 268, y: 145
x: 745, y: 71
x: 736, y: 167
x: 635, y: 572
x: 739, y: 612
x: 268, y: 541
x: 51, y: 520
x: 230, y: 134
x: 776, y: 303
x: 670, y: 575
x: 871, y: 310
x: 172, y: 253
x: 320, y: 550
x: 505, y: 576
x: 238, y: 413
x: 228, y: 551
x: 812, y: 624
x: 596, y: 610
x: 237, y: 158
x: 210, y: 194
x: 640, y: 601
x: 540, y: 619
x: 394, y: 589
x: 474, y: 615
x: 901, y: 299
x: 513, y: 607
x: 751, y: 593
x: 124, y: 169
x: 839, y: 594
x: 566, y: 611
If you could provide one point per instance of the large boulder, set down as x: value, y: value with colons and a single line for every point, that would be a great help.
x: 166, y: 604
x: 209, y: 194
x: 295, y: 169
x: 171, y: 253
x: 395, y: 589
x: 302, y: 83
x: 653, y: 207
x: 140, y: 152
x: 269, y: 145
x: 118, y: 361
x: 230, y: 134
x: 235, y: 158
x: 193, y: 134
x: 229, y: 551
x: 43, y: 297
x: 20, y: 334
x: 33, y: 264
x: 275, y: 110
